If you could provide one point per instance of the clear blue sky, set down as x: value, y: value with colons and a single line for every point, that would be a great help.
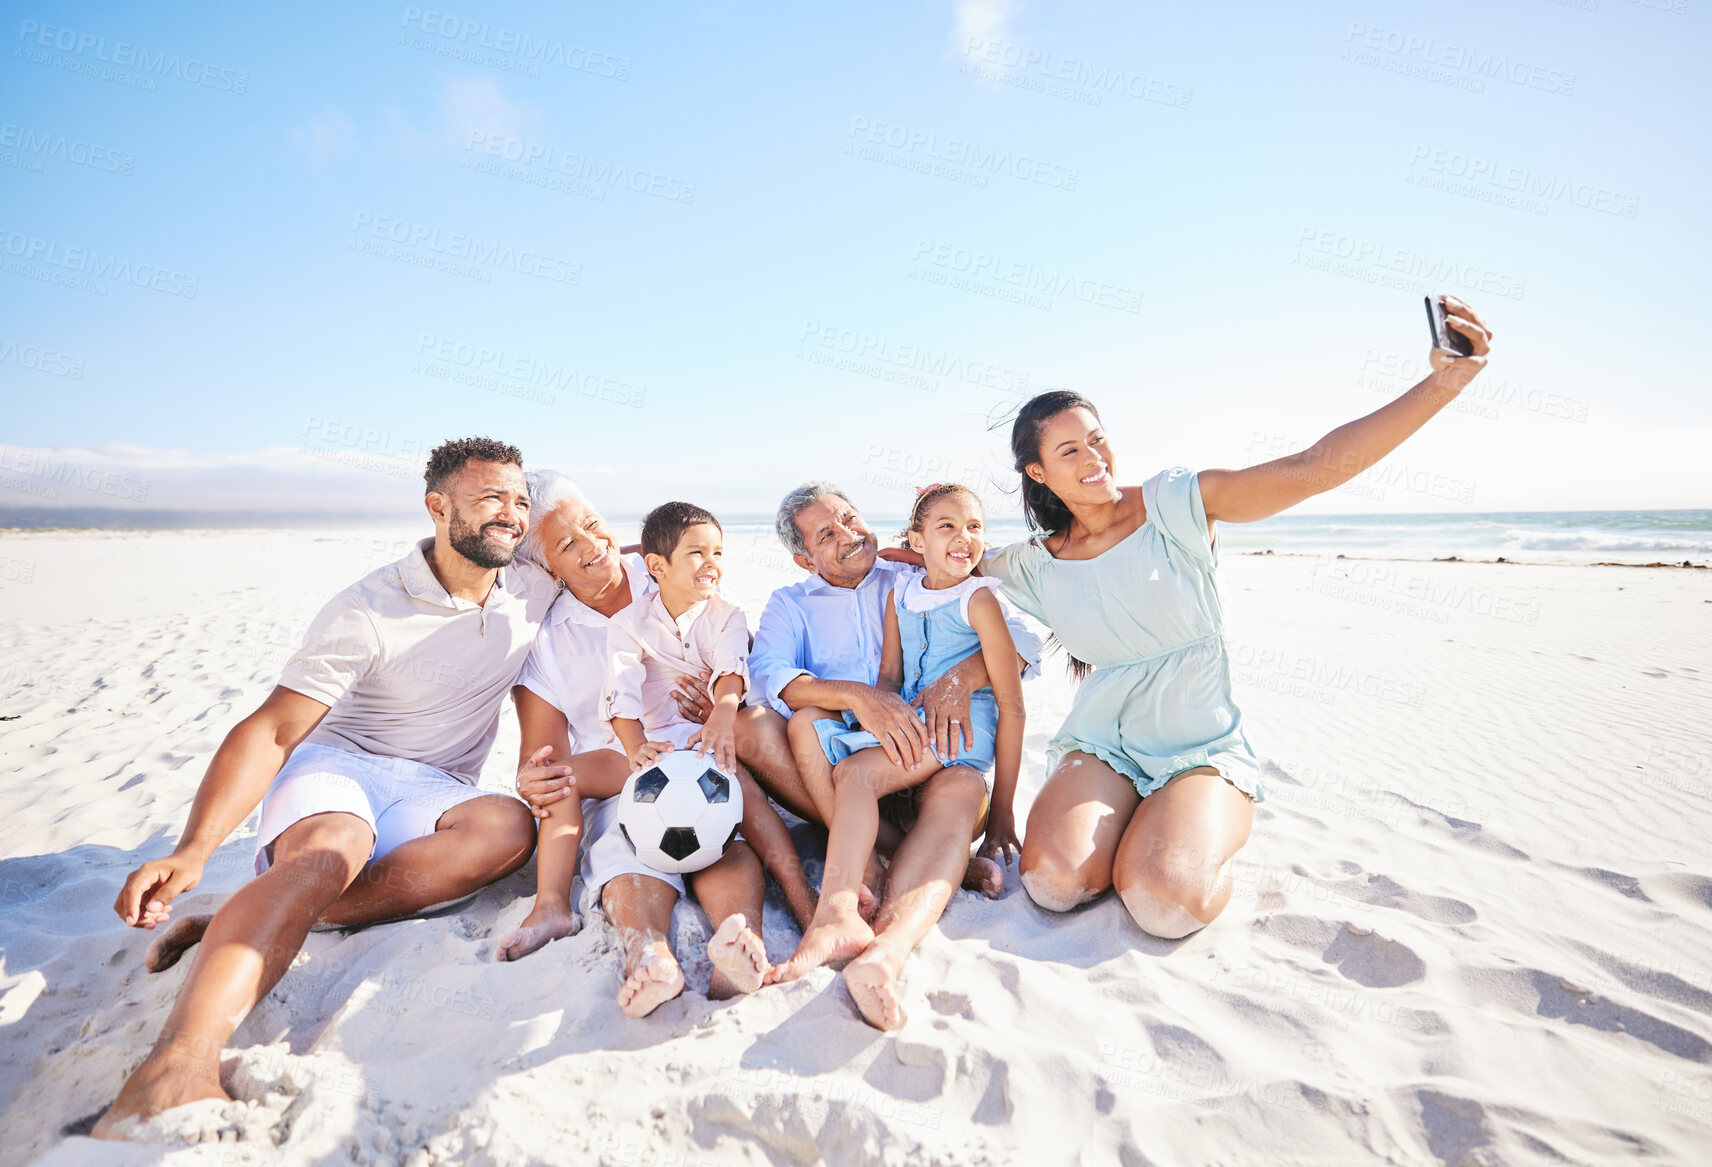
x: 712, y: 205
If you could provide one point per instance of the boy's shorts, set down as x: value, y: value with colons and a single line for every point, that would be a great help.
x: 607, y: 854
x: 399, y: 799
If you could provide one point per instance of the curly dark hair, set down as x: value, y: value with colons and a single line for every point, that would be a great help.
x: 666, y: 524
x: 449, y: 457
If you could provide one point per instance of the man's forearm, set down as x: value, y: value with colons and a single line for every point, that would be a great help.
x: 806, y: 690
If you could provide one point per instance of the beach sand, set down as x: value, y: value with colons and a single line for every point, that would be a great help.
x: 1474, y: 924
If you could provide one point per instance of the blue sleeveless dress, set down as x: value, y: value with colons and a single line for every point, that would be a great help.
x: 1145, y: 613
x: 932, y: 642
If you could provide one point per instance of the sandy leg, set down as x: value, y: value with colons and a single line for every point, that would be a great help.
x: 650, y: 980
x: 179, y: 938
x: 872, y: 979
x: 739, y: 959
x: 160, y: 1086
x: 545, y: 923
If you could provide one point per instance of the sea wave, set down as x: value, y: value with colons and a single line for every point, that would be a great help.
x: 1602, y: 541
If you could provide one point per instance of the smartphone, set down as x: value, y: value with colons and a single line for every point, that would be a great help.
x: 1444, y: 337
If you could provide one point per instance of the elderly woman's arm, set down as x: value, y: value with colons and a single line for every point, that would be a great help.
x: 540, y: 781
x: 1258, y: 492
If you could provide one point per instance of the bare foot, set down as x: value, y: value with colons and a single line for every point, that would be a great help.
x: 739, y: 959
x: 867, y: 904
x: 544, y: 924
x: 838, y: 936
x: 654, y: 979
x: 873, y: 888
x: 985, y: 876
x: 872, y: 979
x: 155, y: 1087
x: 180, y: 937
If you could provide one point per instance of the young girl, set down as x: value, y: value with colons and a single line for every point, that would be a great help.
x: 933, y: 621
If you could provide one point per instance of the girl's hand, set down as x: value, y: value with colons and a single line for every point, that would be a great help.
x: 1455, y: 372
x: 1000, y: 843
x: 719, y: 738
x: 540, y: 783
x: 647, y: 754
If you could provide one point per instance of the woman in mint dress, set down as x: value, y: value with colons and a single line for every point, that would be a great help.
x: 1151, y: 782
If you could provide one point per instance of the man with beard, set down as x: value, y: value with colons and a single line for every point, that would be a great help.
x: 368, y: 753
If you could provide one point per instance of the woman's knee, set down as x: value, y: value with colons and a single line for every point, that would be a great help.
x: 1057, y: 878
x: 1173, y: 902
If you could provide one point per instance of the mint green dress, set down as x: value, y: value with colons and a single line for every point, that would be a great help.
x: 1145, y: 613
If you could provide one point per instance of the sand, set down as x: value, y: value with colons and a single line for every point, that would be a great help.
x: 1472, y: 925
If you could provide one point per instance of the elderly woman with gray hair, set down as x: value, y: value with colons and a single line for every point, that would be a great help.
x: 564, y: 735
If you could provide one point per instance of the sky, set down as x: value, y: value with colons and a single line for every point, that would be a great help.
x: 264, y: 260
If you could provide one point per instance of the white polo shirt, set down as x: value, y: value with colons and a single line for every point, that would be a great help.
x: 647, y: 651
x: 568, y: 664
x: 411, y: 671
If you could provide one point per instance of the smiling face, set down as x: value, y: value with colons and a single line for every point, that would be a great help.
x: 483, y: 510
x: 841, y: 548
x: 578, y: 548
x: 950, y: 537
x: 1076, y: 461
x: 693, y: 572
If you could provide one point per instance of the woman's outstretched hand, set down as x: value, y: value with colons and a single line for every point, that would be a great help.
x: 1454, y: 372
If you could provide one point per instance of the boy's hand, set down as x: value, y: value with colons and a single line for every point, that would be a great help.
x: 647, y: 754
x: 146, y: 899
x: 719, y: 738
x: 1000, y: 843
x: 540, y: 784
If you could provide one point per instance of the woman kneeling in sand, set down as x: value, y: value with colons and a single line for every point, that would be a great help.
x: 558, y: 700
x: 1151, y: 784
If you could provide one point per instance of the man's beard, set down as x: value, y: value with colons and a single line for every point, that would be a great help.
x: 469, y: 542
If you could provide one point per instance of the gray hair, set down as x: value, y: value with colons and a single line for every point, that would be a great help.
x: 547, y: 489
x: 794, y: 504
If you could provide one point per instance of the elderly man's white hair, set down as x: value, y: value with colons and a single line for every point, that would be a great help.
x: 794, y: 504
x: 547, y: 489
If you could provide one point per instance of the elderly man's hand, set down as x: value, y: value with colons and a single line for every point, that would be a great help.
x: 541, y: 784
x: 894, y: 722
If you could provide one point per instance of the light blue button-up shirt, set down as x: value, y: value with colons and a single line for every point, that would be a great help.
x: 815, y: 629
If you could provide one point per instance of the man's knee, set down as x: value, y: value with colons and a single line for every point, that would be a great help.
x: 499, y: 826
x: 321, y: 854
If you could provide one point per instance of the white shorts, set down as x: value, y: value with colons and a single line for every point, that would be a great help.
x: 399, y: 799
x: 607, y: 854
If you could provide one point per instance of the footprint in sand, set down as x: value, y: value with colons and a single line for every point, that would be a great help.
x: 1368, y: 958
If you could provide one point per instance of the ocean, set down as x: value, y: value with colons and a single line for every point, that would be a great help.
x: 1524, y: 536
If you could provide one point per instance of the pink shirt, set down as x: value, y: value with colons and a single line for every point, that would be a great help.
x: 647, y: 651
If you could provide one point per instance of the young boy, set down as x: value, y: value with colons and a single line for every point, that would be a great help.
x: 688, y: 627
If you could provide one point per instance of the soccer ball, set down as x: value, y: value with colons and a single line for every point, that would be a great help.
x: 680, y: 813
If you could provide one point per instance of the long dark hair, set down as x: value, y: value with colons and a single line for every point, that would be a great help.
x: 1045, y: 511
